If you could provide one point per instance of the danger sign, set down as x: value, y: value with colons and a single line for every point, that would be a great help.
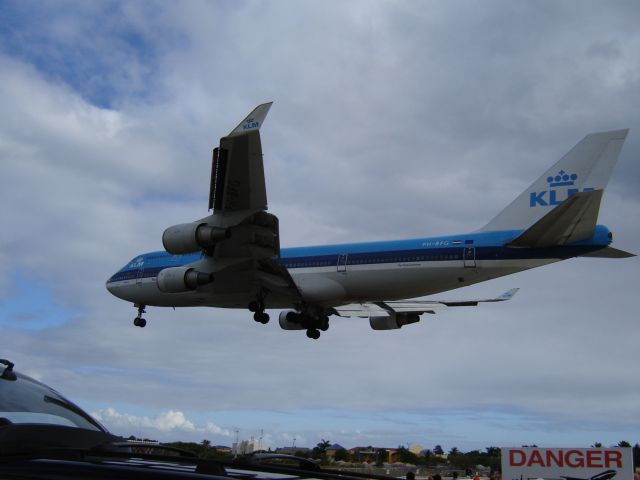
x: 532, y: 463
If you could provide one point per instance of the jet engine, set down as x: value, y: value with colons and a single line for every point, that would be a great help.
x: 192, y: 237
x: 182, y: 279
x: 393, y: 322
x: 289, y: 320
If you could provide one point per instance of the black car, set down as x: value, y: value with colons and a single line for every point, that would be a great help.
x: 43, y: 435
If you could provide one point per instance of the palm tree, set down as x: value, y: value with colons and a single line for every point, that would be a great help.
x: 321, y: 448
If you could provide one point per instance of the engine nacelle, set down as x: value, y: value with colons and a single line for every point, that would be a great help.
x: 290, y: 320
x: 182, y: 279
x: 394, y: 321
x: 191, y: 237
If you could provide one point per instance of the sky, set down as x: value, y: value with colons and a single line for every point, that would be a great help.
x: 391, y: 119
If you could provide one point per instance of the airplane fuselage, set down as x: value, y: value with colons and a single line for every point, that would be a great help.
x: 354, y: 273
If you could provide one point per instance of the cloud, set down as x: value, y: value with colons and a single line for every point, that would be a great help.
x: 391, y: 120
x: 165, y: 421
x: 167, y: 424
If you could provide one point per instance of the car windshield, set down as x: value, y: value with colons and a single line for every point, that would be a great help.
x: 27, y: 401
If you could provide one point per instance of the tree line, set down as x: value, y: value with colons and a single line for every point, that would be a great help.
x: 454, y: 458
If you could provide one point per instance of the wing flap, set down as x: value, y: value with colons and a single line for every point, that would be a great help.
x: 237, y: 175
x: 361, y: 310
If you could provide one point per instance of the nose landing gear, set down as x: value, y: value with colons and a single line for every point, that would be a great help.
x: 139, y: 321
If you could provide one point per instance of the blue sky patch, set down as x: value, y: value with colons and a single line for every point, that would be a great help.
x: 104, y: 57
x: 32, y: 307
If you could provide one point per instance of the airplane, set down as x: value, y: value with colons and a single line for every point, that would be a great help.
x: 232, y: 257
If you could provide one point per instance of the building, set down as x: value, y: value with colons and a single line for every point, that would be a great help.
x: 245, y: 447
x: 374, y: 454
x: 333, y: 449
x: 416, y: 449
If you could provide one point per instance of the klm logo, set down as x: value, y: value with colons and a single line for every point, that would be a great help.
x: 555, y: 196
x: 250, y: 123
x: 137, y: 263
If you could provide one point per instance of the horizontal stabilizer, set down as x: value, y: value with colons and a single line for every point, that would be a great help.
x: 571, y: 221
x: 609, y: 252
x: 386, y: 309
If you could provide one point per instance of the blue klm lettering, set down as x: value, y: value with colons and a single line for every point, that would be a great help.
x: 250, y: 123
x: 550, y: 197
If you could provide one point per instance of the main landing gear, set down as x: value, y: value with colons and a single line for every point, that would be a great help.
x: 313, y: 333
x: 311, y: 319
x: 316, y: 324
x: 257, y: 307
x: 139, y: 321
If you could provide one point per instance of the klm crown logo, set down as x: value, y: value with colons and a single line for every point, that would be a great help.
x: 556, y: 195
x: 562, y: 179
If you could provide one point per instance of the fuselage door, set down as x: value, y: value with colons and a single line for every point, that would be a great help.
x: 469, y: 257
x: 342, y: 262
x: 139, y: 275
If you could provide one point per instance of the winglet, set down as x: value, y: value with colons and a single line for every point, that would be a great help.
x: 253, y: 121
x: 506, y: 295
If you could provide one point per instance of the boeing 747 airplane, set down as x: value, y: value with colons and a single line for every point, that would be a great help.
x: 232, y: 258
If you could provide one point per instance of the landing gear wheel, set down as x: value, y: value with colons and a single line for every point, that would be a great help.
x: 261, y: 317
x: 139, y: 321
x: 324, y: 324
x: 313, y: 333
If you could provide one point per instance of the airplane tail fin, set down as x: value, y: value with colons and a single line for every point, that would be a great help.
x: 585, y: 168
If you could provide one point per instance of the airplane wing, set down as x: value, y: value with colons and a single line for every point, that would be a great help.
x: 238, y: 198
x: 237, y: 172
x: 389, y: 308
